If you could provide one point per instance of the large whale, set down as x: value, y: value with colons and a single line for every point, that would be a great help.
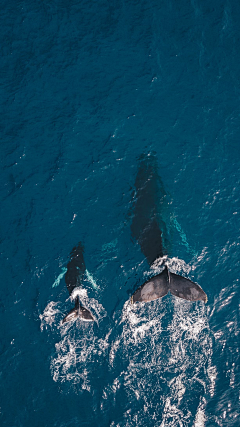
x: 73, y: 278
x: 148, y: 229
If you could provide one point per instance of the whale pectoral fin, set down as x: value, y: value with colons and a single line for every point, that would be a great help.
x: 186, y: 289
x: 156, y: 287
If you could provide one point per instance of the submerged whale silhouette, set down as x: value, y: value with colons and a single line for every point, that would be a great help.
x: 146, y: 230
x: 73, y: 278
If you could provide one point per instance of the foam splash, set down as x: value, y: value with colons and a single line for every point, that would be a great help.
x: 200, y: 418
x: 50, y: 314
x: 79, y: 292
x: 74, y: 353
x: 176, y: 265
x: 79, y: 343
x: 164, y: 363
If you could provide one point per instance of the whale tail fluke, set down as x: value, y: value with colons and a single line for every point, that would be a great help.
x: 158, y: 286
x: 78, y: 312
x: 184, y: 288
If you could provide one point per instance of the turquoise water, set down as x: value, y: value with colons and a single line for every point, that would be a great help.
x: 86, y: 87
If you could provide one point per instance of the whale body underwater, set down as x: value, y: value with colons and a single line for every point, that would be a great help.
x: 147, y: 228
x: 73, y: 278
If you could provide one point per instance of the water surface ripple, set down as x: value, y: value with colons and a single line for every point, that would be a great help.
x: 86, y: 88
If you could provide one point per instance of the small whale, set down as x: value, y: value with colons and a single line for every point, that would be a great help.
x: 73, y: 278
x: 148, y: 229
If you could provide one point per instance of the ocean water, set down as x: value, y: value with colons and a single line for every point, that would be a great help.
x: 86, y: 88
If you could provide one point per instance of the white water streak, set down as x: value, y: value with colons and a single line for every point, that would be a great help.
x: 165, y: 362
x: 78, y: 343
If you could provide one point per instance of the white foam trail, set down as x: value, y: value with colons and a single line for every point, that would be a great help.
x: 78, y: 344
x: 160, y: 353
x: 166, y: 360
x: 200, y: 418
x: 51, y: 312
x: 74, y: 353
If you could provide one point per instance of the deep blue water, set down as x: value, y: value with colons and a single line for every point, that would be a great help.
x: 86, y: 87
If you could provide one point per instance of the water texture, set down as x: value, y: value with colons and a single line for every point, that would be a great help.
x: 86, y: 88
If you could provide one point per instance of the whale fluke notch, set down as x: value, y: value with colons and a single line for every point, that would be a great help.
x: 78, y: 312
x: 159, y: 285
